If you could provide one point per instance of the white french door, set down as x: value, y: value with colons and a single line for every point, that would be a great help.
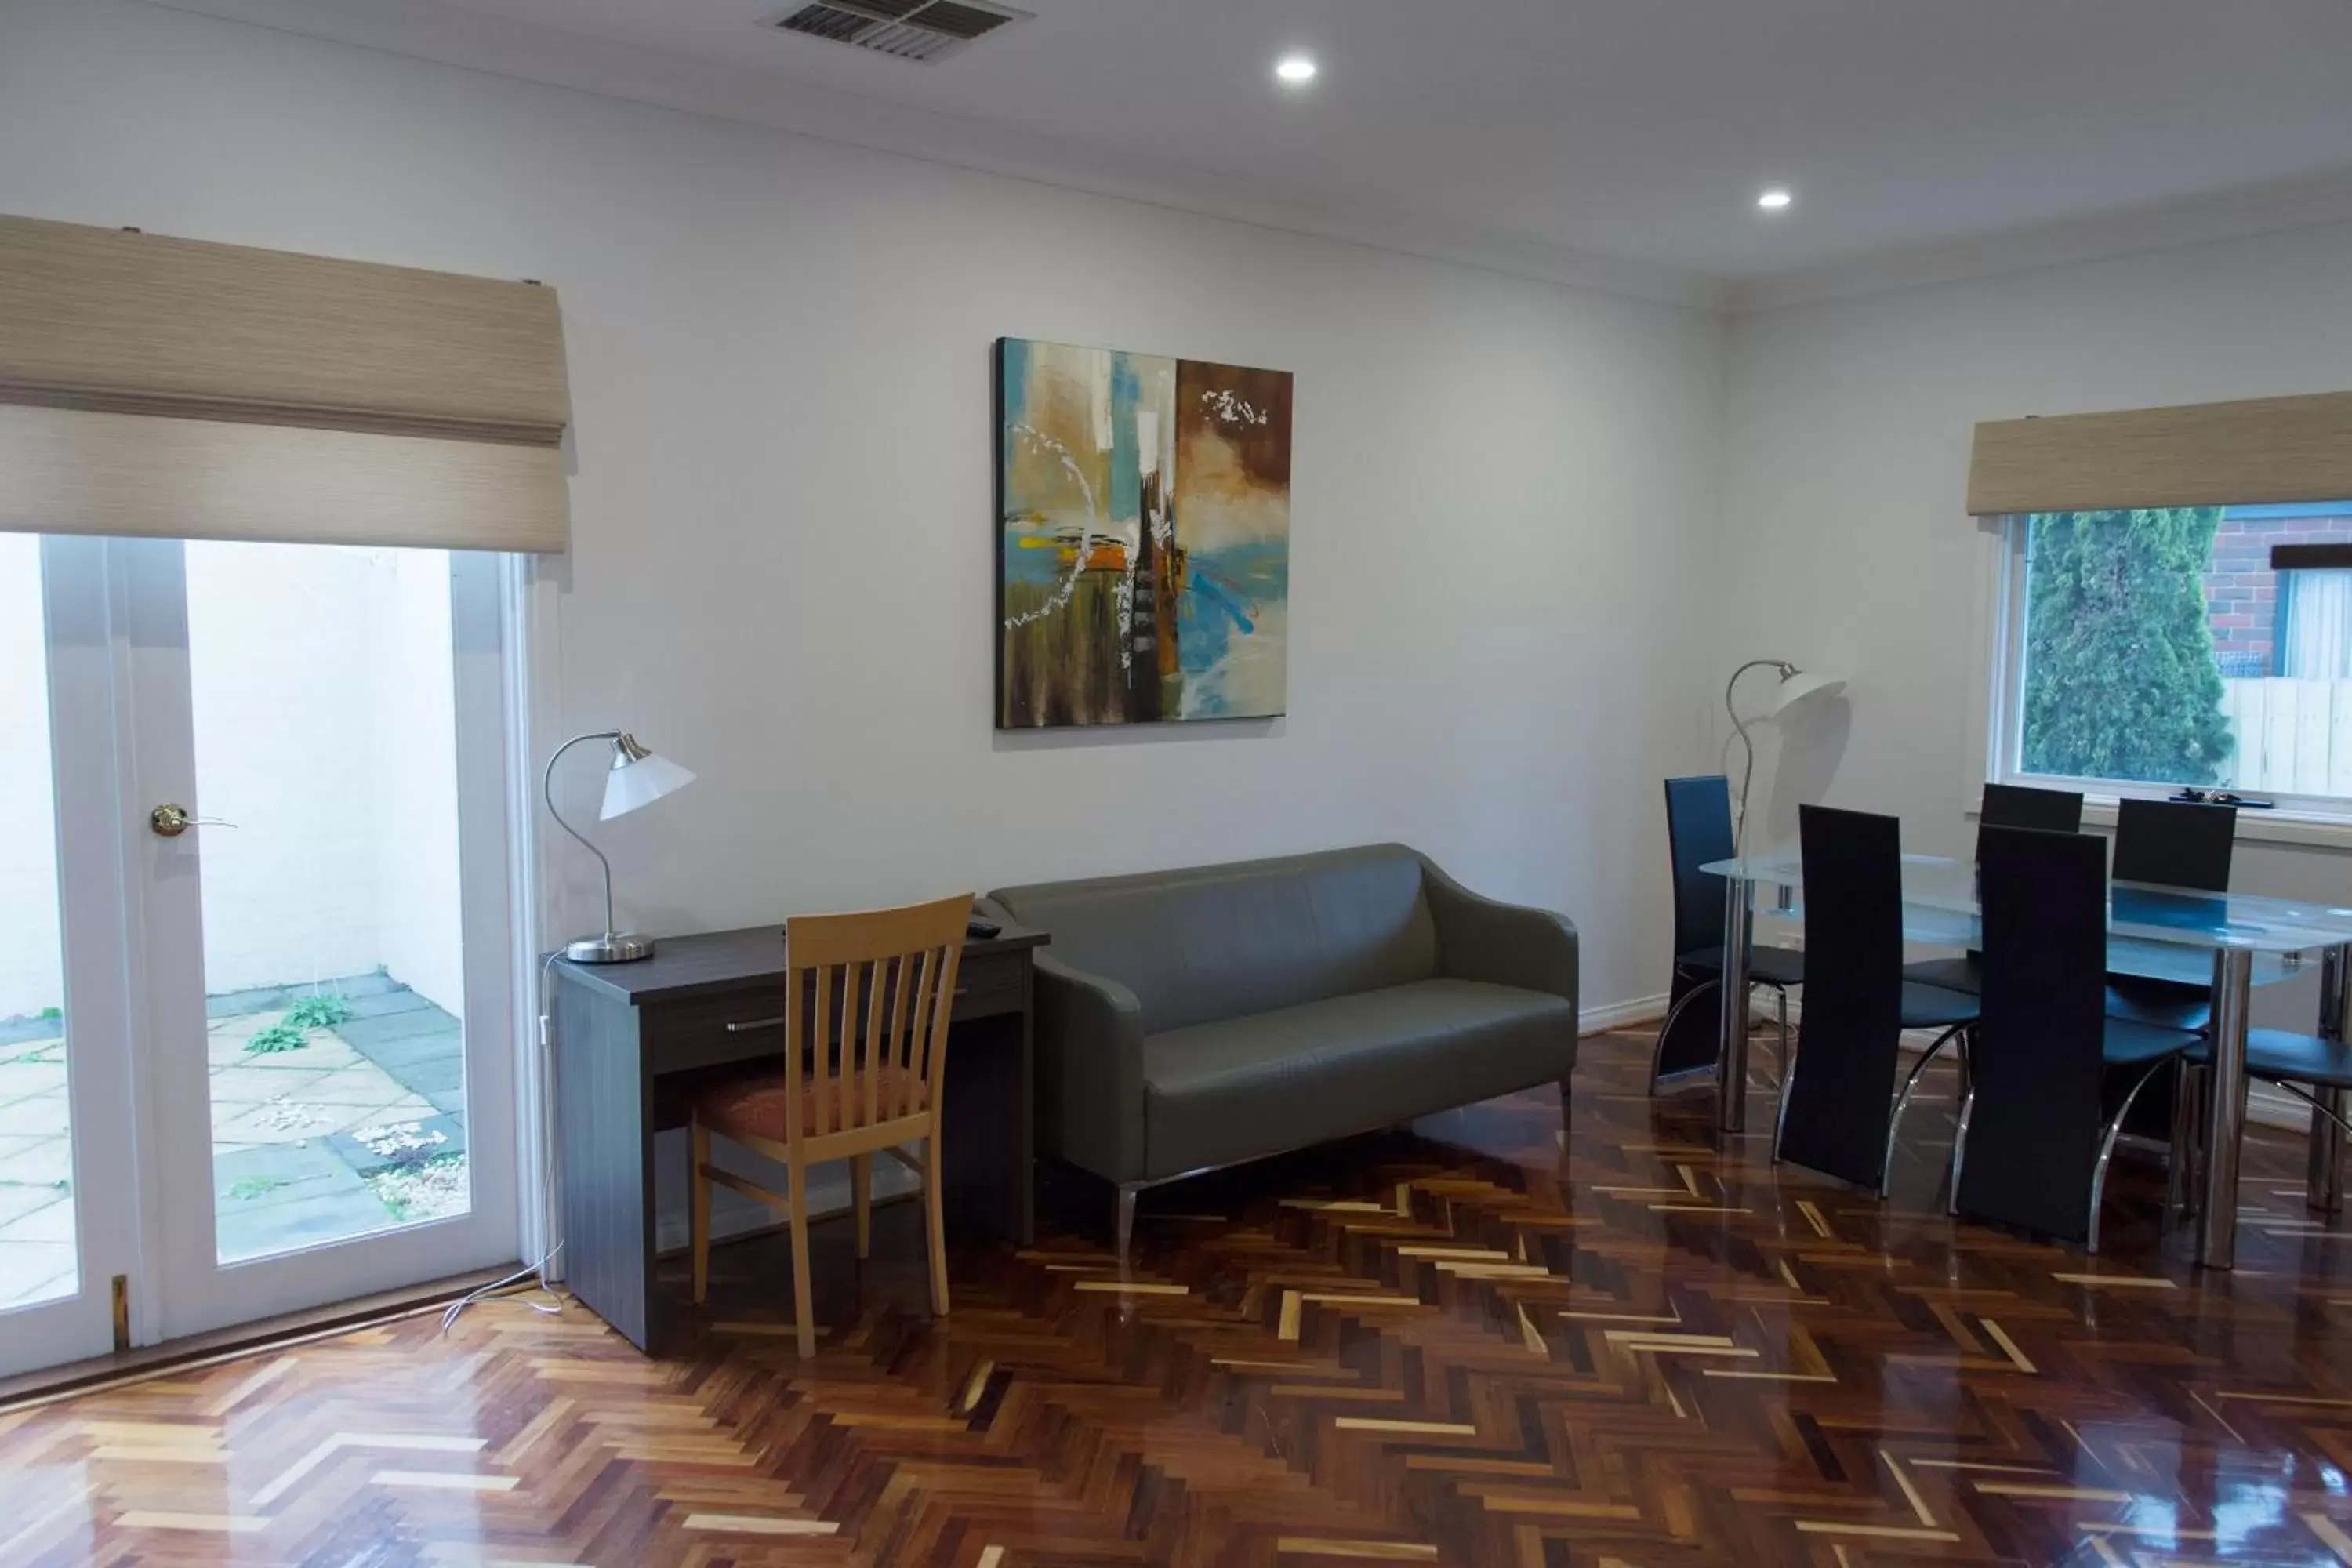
x: 261, y: 1058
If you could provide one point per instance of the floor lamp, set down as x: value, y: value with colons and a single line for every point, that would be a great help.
x: 1797, y: 693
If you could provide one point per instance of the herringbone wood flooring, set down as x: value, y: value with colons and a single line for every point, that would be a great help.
x: 1447, y: 1345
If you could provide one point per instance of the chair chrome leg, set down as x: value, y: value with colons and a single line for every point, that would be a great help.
x: 2106, y: 1153
x: 1903, y: 1103
x: 1780, y: 1109
x: 1658, y: 1046
x: 1780, y: 1068
x: 1960, y: 1147
x: 1127, y: 1193
x: 2180, y: 1177
x: 2324, y: 1182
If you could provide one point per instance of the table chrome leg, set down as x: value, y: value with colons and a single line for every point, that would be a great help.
x: 2324, y: 1189
x: 2225, y: 1108
x: 1731, y: 1058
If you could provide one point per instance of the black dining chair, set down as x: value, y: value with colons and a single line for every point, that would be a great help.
x: 1698, y: 831
x: 2050, y: 1076
x: 2004, y: 806
x: 2173, y: 844
x: 1837, y: 1099
x: 2312, y: 1067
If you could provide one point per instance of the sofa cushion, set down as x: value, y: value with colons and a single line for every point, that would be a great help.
x: 1225, y: 941
x: 1218, y: 1093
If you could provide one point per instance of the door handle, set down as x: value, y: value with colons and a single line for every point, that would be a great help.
x: 169, y: 821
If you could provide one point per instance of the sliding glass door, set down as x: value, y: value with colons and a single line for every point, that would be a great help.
x: 296, y: 867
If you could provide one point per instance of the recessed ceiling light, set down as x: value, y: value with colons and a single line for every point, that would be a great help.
x: 1775, y: 200
x: 1295, y: 70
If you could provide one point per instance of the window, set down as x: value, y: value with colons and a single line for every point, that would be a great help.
x: 2209, y: 646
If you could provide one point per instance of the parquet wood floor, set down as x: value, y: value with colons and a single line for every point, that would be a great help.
x: 1442, y: 1345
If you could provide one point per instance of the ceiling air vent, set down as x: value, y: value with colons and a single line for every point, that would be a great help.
x: 923, y: 30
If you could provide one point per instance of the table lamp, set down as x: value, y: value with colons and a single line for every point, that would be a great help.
x: 636, y: 778
x: 1797, y: 693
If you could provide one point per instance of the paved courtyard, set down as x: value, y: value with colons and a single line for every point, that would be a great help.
x: 337, y: 1109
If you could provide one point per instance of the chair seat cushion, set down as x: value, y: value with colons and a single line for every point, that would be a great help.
x: 753, y: 1106
x: 1963, y: 974
x: 1266, y: 1082
x: 2129, y: 1043
x: 2166, y: 1003
x: 2283, y: 1054
x: 1766, y: 965
x: 1932, y: 1008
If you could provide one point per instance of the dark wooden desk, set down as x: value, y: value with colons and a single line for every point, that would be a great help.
x: 632, y: 1039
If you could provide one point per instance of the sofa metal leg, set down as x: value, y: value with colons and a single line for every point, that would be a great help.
x: 1566, y: 1123
x: 1126, y: 1195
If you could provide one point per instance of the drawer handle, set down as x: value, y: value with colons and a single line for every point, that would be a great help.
x: 745, y: 1026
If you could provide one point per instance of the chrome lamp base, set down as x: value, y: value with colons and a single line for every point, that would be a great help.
x: 613, y: 947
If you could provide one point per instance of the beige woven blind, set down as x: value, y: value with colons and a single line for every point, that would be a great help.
x: 2208, y: 454
x: 153, y: 386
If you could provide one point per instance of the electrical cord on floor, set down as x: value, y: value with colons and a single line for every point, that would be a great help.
x: 553, y: 1305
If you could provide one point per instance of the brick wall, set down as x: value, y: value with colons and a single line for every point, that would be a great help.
x: 2242, y: 591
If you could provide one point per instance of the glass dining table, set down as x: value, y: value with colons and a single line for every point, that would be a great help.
x: 2230, y: 941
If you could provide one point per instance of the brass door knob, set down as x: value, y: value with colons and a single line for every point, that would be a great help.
x: 170, y: 820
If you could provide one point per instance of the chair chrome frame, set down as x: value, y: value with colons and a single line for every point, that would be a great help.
x: 1958, y: 1032
x: 1708, y: 988
x: 2098, y: 1171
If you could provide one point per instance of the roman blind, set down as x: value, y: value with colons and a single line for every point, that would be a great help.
x: 175, y: 387
x: 2209, y: 454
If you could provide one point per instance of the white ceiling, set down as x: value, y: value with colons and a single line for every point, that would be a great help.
x: 1556, y: 135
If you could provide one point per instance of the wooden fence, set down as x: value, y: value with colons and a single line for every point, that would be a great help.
x: 2294, y: 736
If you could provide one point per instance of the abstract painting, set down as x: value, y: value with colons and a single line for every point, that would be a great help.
x: 1143, y: 538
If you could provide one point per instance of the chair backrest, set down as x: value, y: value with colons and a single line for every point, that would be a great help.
x: 1698, y: 830
x: 866, y: 1016
x: 2175, y: 842
x: 1841, y: 1097
x: 2037, y: 1061
x: 2016, y: 805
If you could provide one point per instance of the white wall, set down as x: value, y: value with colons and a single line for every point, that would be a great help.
x: 781, y: 573
x: 1845, y: 545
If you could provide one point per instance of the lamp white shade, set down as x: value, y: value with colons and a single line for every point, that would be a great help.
x: 639, y: 781
x: 1801, y: 692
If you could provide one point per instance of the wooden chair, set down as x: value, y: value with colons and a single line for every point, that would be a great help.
x: 847, y: 1092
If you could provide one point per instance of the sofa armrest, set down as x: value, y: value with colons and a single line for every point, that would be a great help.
x: 1089, y: 1070
x: 1505, y: 944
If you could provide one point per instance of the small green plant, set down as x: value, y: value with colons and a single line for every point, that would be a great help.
x: 51, y: 1014
x: 252, y: 1187
x: 320, y: 1010
x: 276, y: 1039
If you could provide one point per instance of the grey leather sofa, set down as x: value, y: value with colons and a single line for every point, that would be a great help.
x: 1197, y: 1018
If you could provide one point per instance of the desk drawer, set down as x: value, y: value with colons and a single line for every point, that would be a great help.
x: 712, y: 1031
x: 991, y: 984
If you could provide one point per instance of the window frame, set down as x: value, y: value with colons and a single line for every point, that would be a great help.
x: 2005, y: 727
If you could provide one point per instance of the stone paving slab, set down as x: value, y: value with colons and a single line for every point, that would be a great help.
x: 35, y: 1270
x: 34, y: 1115
x: 400, y: 1144
x: 36, y: 1161
x: 292, y: 1165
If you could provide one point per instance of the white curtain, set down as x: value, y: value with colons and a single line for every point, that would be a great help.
x: 2318, y: 625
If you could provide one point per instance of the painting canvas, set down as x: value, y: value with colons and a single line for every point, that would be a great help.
x: 1143, y: 518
